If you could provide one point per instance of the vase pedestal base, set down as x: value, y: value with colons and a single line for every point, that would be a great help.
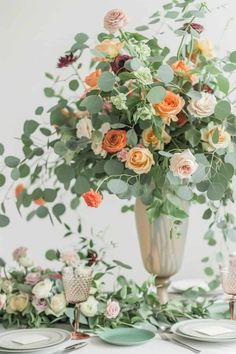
x: 162, y: 285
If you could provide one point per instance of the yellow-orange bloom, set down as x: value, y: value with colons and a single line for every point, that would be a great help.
x: 110, y: 47
x: 114, y: 140
x: 180, y: 67
x: 149, y: 138
x: 140, y: 160
x: 169, y: 107
x: 92, y: 79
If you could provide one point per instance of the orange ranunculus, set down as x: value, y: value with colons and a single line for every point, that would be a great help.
x: 92, y: 198
x: 169, y: 107
x: 180, y: 67
x: 110, y: 47
x: 92, y: 79
x: 19, y: 189
x: 39, y: 201
x: 114, y: 140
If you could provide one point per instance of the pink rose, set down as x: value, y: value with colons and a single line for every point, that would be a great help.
x: 39, y: 304
x: 183, y: 164
x: 19, y: 252
x: 122, y: 155
x: 107, y: 106
x: 32, y: 278
x: 114, y: 20
x: 69, y: 258
x: 112, y: 309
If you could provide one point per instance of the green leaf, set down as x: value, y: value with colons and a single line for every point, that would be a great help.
x: 52, y: 255
x: 142, y: 28
x: 15, y: 174
x: 98, y: 276
x: 12, y: 161
x: 132, y: 137
x: 231, y: 158
x: 39, y: 110
x: 121, y: 264
x: 216, y: 191
x: 209, y: 271
x: 156, y: 94
x: 81, y: 38
x: 117, y: 186
x: 226, y: 170
x: 193, y: 136
x: 184, y: 192
x: 207, y: 214
x: 4, y: 220
x: 45, y: 131
x: 215, y: 136
x: 231, y: 234
x: 60, y: 148
x: 223, y: 84
x: 165, y: 73
x: 30, y: 126
x: 82, y: 185
x: 1, y: 149
x: 24, y: 170
x: 2, y: 180
x: 42, y: 211
x: 49, y: 195
x: 171, y: 14
x: 222, y: 110
x: 93, y: 104
x: 73, y: 85
x: 49, y: 76
x: 229, y: 67
x: 133, y: 64
x: 106, y: 81
x: 113, y: 167
x: 65, y: 173
x: 169, y: 208
x: 232, y: 57
x: 58, y: 210
x: 49, y: 92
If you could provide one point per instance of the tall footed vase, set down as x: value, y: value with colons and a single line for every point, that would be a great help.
x: 162, y: 246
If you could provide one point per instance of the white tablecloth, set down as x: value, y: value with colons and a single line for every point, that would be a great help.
x: 156, y: 346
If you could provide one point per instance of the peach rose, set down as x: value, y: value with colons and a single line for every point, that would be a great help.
x: 114, y: 140
x: 183, y: 164
x: 19, y: 190
x: 205, y: 47
x: 19, y: 253
x: 114, y: 20
x: 92, y: 198
x: 169, y: 107
x: 110, y: 47
x: 140, y: 160
x: 112, y: 309
x: 149, y: 138
x: 180, y: 67
x: 207, y: 133
x: 39, y: 201
x: 92, y: 79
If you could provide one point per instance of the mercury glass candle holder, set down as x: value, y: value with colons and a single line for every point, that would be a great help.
x: 77, y: 287
x: 228, y: 281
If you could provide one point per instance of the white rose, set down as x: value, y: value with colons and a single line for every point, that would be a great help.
x: 183, y: 164
x: 57, y: 305
x: 84, y: 128
x: 89, y: 308
x: 204, y: 106
x: 3, y: 299
x: 26, y: 262
x: 207, y: 134
x: 42, y: 289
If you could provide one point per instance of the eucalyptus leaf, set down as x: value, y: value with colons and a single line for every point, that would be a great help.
x: 156, y: 94
x: 106, y: 81
x: 165, y: 73
x: 117, y: 186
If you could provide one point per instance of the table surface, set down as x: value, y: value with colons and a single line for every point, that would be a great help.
x: 155, y: 346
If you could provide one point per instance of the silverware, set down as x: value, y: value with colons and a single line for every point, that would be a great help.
x: 168, y: 337
x: 72, y: 347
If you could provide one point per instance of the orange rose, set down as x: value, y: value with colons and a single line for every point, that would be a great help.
x: 149, y: 138
x: 140, y: 160
x: 169, y: 107
x: 110, y: 47
x: 114, y: 140
x: 92, y: 198
x: 39, y: 201
x: 180, y: 67
x: 19, y: 189
x: 92, y: 79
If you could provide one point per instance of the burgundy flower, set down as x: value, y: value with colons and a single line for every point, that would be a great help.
x: 67, y: 60
x: 118, y: 64
x: 196, y: 26
x: 203, y: 87
x: 92, y: 258
x: 182, y: 119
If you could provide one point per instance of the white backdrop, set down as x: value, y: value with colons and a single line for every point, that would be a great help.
x: 33, y: 34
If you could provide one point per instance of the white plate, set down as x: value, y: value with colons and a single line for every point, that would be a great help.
x: 188, y: 329
x: 54, y: 336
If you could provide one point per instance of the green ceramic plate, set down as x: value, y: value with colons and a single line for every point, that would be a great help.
x: 126, y: 336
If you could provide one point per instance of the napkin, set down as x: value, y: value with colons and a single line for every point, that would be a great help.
x: 214, y: 330
x: 33, y: 338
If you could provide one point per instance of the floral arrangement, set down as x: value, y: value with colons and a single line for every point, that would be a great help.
x: 34, y: 297
x: 147, y: 122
